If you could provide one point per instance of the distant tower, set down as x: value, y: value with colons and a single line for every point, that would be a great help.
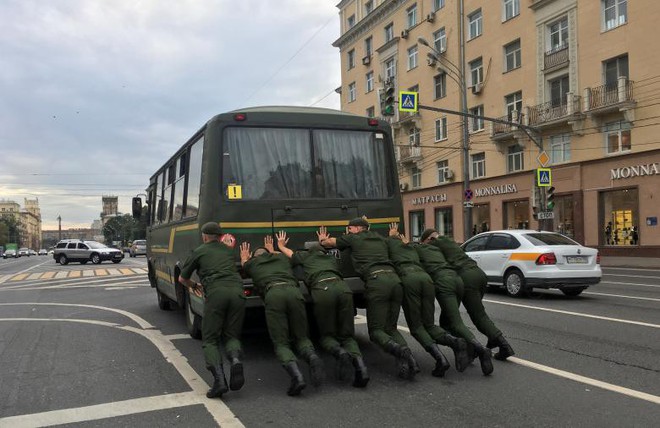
x: 110, y: 208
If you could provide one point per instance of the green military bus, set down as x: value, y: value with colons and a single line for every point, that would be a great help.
x: 259, y: 170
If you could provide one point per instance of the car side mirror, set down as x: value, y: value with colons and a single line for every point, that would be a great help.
x: 137, y: 207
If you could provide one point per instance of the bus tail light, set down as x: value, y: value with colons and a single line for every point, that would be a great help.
x: 247, y: 292
x: 546, y: 259
x: 240, y: 117
x: 373, y: 122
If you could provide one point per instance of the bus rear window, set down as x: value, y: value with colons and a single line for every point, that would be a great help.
x: 283, y: 163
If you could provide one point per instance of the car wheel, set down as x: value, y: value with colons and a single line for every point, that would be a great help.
x: 62, y: 259
x: 514, y: 283
x: 164, y: 302
x: 193, y: 321
x: 96, y: 259
x: 573, y: 291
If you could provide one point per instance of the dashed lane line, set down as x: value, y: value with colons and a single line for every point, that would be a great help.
x: 650, y: 299
x: 630, y: 283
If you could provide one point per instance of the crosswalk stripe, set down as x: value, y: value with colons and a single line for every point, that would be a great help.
x: 88, y: 273
x: 127, y: 271
x: 62, y: 274
x: 48, y: 275
x: 20, y: 277
x: 114, y: 272
x: 75, y: 274
x: 34, y: 276
x: 100, y: 272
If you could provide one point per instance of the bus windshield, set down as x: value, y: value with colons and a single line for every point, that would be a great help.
x: 294, y: 163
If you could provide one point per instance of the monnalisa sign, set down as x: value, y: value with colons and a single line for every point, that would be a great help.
x: 496, y: 190
x: 430, y: 198
x: 634, y: 171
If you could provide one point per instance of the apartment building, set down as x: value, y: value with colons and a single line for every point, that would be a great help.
x: 575, y: 86
x: 28, y: 219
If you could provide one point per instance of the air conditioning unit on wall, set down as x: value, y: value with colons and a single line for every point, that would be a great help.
x: 430, y: 17
x: 430, y: 62
x: 404, y: 34
x: 449, y: 174
x: 403, y: 186
x: 366, y: 60
x: 477, y: 88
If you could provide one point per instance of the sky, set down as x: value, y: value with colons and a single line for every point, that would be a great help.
x: 96, y: 95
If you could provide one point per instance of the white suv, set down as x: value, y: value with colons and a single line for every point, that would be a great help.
x: 75, y: 250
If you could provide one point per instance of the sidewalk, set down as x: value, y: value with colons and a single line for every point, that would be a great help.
x: 630, y: 262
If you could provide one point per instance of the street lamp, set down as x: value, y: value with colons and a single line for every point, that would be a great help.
x: 457, y: 75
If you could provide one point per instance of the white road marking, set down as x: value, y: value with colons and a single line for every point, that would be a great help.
x: 220, y: 412
x: 88, y: 273
x: 577, y: 314
x: 177, y: 336
x: 23, y: 271
x: 630, y: 283
x: 622, y: 296
x: 632, y: 276
x: 586, y: 380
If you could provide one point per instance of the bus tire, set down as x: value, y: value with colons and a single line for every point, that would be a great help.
x: 193, y: 321
x: 164, y: 302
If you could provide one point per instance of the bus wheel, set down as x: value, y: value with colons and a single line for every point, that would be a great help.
x: 193, y: 321
x: 163, y: 302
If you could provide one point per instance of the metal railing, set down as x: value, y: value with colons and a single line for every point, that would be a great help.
x: 408, y: 153
x: 553, y: 110
x: 556, y: 56
x: 611, y: 94
x: 502, y: 128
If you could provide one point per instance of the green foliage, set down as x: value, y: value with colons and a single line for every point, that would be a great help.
x: 9, y: 230
x: 125, y: 229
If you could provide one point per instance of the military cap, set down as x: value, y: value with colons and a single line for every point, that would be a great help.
x: 427, y: 233
x: 359, y: 221
x: 211, y: 228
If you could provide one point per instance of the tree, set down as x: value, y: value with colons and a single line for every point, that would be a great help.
x: 10, y: 230
x: 124, y: 228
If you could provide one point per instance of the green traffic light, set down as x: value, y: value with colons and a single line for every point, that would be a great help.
x: 551, y: 205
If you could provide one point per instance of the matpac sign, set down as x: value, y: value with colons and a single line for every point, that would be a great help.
x: 408, y: 101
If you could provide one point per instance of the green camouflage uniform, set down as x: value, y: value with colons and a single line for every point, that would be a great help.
x: 224, y: 302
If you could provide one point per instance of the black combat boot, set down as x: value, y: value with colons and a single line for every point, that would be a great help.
x: 462, y: 358
x: 317, y: 372
x: 505, y: 350
x: 236, y: 378
x: 297, y: 379
x: 484, y: 355
x: 361, y: 375
x: 343, y: 364
x: 219, y: 382
x: 402, y: 366
x: 441, y: 363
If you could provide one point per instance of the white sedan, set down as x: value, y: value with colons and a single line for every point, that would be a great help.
x: 520, y: 260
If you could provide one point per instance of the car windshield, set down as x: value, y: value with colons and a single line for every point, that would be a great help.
x: 549, y: 239
x: 94, y: 244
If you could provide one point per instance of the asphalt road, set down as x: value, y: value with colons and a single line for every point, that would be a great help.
x: 88, y: 346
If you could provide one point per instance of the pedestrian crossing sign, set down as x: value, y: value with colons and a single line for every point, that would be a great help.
x: 408, y: 101
x: 543, y: 177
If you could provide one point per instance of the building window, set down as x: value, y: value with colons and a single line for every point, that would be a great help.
x: 412, y: 16
x: 444, y: 223
x: 351, y: 21
x: 478, y: 165
x: 564, y: 215
x: 352, y: 95
x: 441, y: 129
x: 413, y: 136
x: 440, y: 86
x: 615, y: 13
x: 560, y: 148
x: 558, y: 90
x: 443, y: 171
x: 615, y: 68
x: 513, y: 104
x: 559, y: 34
x: 476, y: 71
x: 475, y: 24
x: 438, y: 4
x: 412, y: 57
x: 351, y: 59
x: 390, y: 68
x: 617, y: 137
x: 370, y: 81
x: 477, y: 123
x: 368, y: 7
x: 416, y: 174
x: 368, y: 46
x: 512, y: 56
x: 389, y: 32
x: 416, y: 225
x: 514, y: 158
x: 371, y: 111
x: 440, y: 40
x: 480, y: 218
x: 620, y: 213
x: 511, y: 9
x: 516, y: 214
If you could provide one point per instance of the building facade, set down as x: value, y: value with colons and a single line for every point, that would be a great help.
x: 28, y: 219
x: 573, y: 85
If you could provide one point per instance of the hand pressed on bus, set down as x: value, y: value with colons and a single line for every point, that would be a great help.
x: 394, y: 229
x: 268, y: 244
x: 245, y: 252
x: 282, y: 240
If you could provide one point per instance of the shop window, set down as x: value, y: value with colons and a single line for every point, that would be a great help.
x: 480, y: 218
x: 416, y: 225
x: 516, y: 214
x: 563, y: 210
x: 444, y: 223
x: 620, y: 214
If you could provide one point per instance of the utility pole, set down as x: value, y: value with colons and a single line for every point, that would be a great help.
x: 467, y: 208
x: 59, y: 227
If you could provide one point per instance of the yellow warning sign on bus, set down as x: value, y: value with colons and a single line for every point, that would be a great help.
x: 234, y: 191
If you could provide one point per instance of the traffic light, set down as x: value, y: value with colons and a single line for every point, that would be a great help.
x: 550, y: 198
x: 387, y: 100
x: 137, y: 207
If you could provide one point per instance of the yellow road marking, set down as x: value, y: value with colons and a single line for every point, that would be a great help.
x: 20, y: 277
x: 75, y: 274
x: 126, y: 271
x: 100, y: 272
x: 48, y: 275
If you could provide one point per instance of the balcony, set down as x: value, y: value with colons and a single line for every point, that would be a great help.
x: 504, y: 131
x: 405, y: 118
x: 554, y: 112
x: 556, y: 58
x: 408, y: 154
x: 610, y: 98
